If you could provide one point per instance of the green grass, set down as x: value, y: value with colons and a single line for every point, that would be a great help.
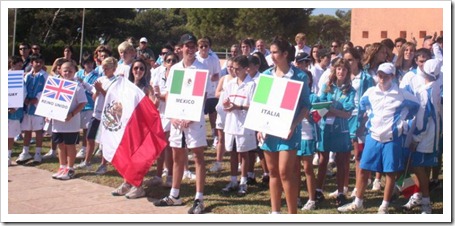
x: 256, y: 201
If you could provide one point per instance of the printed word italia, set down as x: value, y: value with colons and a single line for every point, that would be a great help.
x: 184, y: 101
x: 54, y: 104
x: 271, y: 113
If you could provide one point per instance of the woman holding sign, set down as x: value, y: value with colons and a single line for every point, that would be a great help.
x: 281, y: 154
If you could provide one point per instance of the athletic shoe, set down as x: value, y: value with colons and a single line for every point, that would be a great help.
x: 319, y: 196
x: 122, y: 190
x: 84, y: 166
x: 50, y: 154
x: 102, y: 169
x: 414, y: 200
x: 81, y: 154
x: 165, y: 172
x: 383, y: 210
x: 23, y: 158
x: 37, y: 158
x: 310, y: 205
x: 67, y: 174
x: 197, y: 208
x: 216, y: 167
x: 232, y: 186
x: 350, y: 207
x: 59, y: 172
x: 168, y: 201
x: 242, y: 190
x: 135, y: 192
x: 335, y: 193
x: 316, y: 160
x: 18, y: 138
x: 426, y: 208
x: 251, y: 181
x: 155, y: 181
x: 189, y: 175
x: 376, y: 185
x: 341, y: 200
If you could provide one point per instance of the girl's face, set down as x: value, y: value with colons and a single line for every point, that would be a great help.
x: 381, y: 55
x: 409, y: 53
x: 315, y: 52
x: 68, y: 71
x: 67, y: 53
x: 138, y: 70
x: 169, y: 61
x: 352, y: 61
x: 230, y: 68
x: 108, y: 70
x: 278, y: 56
x: 341, y: 73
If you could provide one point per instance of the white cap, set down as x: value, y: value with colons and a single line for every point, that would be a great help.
x: 387, y: 68
x: 143, y: 39
x: 432, y: 68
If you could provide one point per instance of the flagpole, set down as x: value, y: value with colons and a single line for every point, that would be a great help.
x: 14, y: 32
x: 82, y: 36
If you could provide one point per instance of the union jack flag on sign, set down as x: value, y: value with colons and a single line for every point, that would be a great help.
x: 59, y: 89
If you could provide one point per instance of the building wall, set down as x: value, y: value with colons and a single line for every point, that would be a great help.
x: 416, y: 22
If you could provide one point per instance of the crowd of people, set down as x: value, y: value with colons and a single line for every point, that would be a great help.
x: 385, y: 108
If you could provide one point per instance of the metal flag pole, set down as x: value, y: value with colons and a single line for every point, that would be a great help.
x: 14, y: 31
x: 82, y: 35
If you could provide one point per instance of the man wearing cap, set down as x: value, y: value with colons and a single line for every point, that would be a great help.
x: 389, y: 107
x: 187, y: 134
x: 143, y: 48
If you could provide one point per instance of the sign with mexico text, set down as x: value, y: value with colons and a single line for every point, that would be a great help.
x: 185, y: 98
x: 273, y: 105
x: 55, y: 100
x: 15, y: 89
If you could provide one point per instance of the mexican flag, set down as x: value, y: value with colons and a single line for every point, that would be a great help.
x: 185, y: 98
x: 318, y: 110
x: 131, y: 131
x: 406, y: 183
x: 273, y: 105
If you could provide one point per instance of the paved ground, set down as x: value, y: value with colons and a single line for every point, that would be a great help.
x: 33, y: 191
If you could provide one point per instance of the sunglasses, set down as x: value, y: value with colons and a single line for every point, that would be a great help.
x: 23, y: 48
x: 203, y: 46
x: 171, y: 60
x: 163, y: 53
x: 139, y: 68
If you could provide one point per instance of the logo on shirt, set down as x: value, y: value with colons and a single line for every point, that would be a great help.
x: 112, y: 116
x: 59, y: 89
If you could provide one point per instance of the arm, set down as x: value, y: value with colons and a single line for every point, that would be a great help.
x: 219, y: 88
x: 73, y: 113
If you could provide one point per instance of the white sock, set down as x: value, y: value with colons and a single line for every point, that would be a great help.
x: 243, y: 180
x: 376, y: 180
x: 275, y: 212
x: 385, y: 203
x: 174, y: 192
x: 37, y: 150
x: 200, y: 196
x: 62, y: 166
x: 358, y: 202
x: 25, y: 149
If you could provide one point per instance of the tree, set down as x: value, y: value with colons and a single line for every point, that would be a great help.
x: 325, y: 28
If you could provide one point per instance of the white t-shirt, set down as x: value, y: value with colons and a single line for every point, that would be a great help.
x: 159, y: 79
x: 320, y: 77
x: 74, y: 124
x: 99, y: 102
x: 123, y: 70
x: 356, y: 85
x: 213, y: 65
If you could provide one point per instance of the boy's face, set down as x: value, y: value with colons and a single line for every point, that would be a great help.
x: 128, y: 55
x: 68, y: 71
x: 37, y: 65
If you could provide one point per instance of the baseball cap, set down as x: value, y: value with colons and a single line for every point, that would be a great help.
x: 431, y: 68
x: 387, y: 68
x: 187, y: 38
x: 302, y: 56
x: 143, y: 39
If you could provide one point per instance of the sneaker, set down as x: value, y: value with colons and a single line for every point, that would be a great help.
x: 102, y: 169
x: 59, y: 173
x: 216, y: 167
x: 84, y: 166
x: 376, y: 185
x: 135, y: 192
x: 168, y: 183
x: 242, y: 190
x: 232, y: 186
x: 341, y: 200
x: 251, y: 181
x: 310, y: 205
x: 197, y: 208
x: 122, y: 190
x: 316, y: 160
x: 414, y: 200
x: 50, y: 155
x: 319, y: 196
x: 350, y: 207
x: 67, y: 174
x: 383, y: 210
x: 354, y: 193
x: 155, y: 181
x: 335, y: 193
x: 18, y: 138
x: 165, y: 172
x: 426, y: 208
x: 299, y: 203
x: 168, y: 201
x: 81, y: 154
x: 189, y: 175
x: 37, y: 158
x: 23, y: 158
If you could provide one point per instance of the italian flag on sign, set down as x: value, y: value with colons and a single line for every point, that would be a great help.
x: 186, y: 94
x: 273, y: 106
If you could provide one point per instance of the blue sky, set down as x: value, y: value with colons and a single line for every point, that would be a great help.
x: 328, y: 11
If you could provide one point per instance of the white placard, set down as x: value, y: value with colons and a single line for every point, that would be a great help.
x: 55, y: 100
x: 15, y: 89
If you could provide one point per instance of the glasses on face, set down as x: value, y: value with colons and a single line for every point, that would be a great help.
x: 163, y: 53
x: 203, y: 46
x: 171, y: 60
x: 23, y: 48
x: 139, y: 68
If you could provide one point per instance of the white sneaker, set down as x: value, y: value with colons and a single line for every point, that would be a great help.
x: 350, y: 207
x: 376, y: 185
x: 232, y: 186
x: 81, y: 154
x: 414, y: 200
x: 189, y: 175
x: 310, y: 205
x: 23, y: 157
x: 165, y: 172
x: 102, y: 169
x: 383, y: 210
x: 155, y: 181
x: 242, y: 190
x: 316, y: 160
x: 426, y: 208
x: 50, y: 154
x: 121, y: 190
x: 216, y: 167
x: 59, y: 173
x: 335, y: 193
x: 135, y: 192
x: 37, y: 158
x: 84, y: 166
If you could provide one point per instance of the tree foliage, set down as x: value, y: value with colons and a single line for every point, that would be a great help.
x: 324, y: 29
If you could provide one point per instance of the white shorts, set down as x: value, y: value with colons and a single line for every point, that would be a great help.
x: 32, y: 123
x: 220, y: 117
x: 85, y: 118
x: 14, y: 128
x: 243, y: 143
x: 195, y: 136
x: 165, y: 123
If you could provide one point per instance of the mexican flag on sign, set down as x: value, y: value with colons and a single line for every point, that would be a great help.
x: 273, y: 106
x: 186, y: 94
